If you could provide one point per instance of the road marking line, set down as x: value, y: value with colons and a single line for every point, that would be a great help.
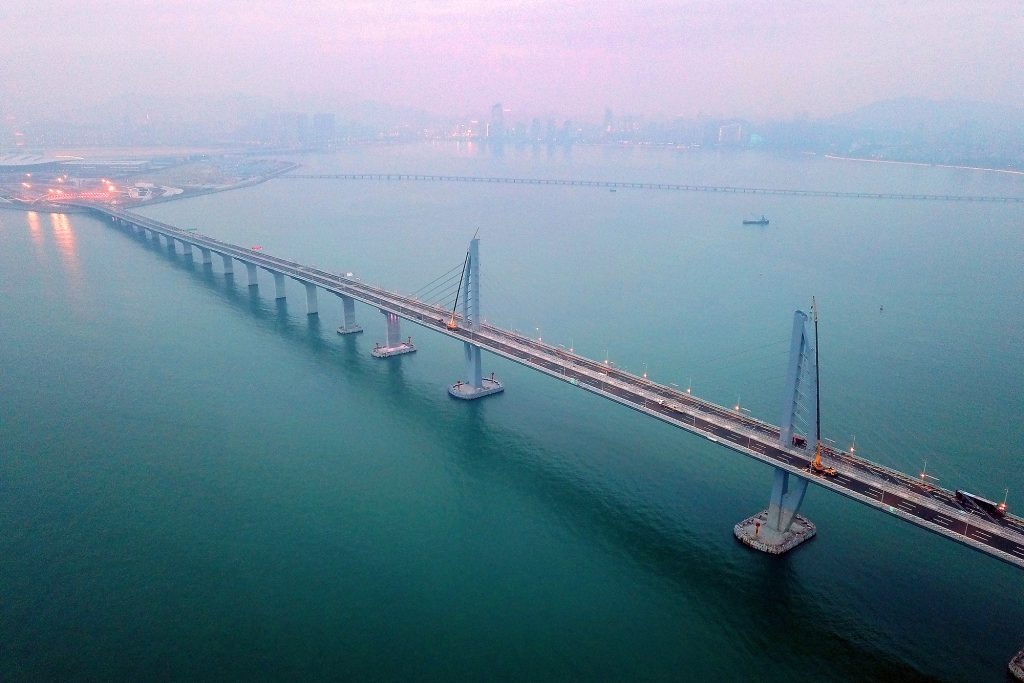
x: 906, y: 506
x: 983, y: 535
x: 1017, y: 551
x: 942, y: 520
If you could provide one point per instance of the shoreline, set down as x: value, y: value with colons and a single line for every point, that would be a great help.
x: 48, y: 207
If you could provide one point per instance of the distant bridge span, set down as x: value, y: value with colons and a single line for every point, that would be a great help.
x: 616, y: 185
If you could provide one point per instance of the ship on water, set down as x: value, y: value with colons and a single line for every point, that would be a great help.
x: 756, y: 221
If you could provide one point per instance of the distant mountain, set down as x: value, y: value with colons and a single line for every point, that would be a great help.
x: 930, y: 118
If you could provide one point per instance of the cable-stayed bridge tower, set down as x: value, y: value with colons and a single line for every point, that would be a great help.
x: 475, y: 385
x: 779, y: 528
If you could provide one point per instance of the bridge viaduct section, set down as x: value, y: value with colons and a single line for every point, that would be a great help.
x: 907, y: 498
x: 774, y: 530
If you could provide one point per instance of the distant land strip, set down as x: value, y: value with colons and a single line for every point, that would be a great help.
x: 615, y: 185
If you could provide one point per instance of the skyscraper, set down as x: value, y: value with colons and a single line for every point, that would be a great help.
x: 497, y: 127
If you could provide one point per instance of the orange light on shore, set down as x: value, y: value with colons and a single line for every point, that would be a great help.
x: 111, y: 188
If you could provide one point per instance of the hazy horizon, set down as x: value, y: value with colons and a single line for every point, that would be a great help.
x: 750, y: 59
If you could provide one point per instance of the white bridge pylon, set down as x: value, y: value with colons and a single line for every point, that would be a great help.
x: 475, y: 385
x: 779, y: 528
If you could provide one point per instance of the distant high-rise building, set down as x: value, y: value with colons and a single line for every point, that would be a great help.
x: 496, y: 130
x: 730, y: 134
x: 324, y: 129
x: 536, y: 133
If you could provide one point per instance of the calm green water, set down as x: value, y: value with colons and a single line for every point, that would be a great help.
x: 199, y: 482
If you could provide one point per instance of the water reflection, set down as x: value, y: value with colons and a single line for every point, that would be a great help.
x: 65, y: 239
x: 35, y: 231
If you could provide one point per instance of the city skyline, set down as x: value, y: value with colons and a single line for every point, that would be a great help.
x: 754, y: 60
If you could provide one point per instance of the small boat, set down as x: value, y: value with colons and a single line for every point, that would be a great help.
x: 756, y: 221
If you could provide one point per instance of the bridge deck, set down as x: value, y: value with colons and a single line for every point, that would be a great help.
x: 612, y: 184
x: 929, y: 507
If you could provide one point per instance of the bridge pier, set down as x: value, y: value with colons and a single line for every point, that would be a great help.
x: 1016, y: 666
x: 779, y: 528
x: 476, y: 385
x: 253, y: 280
x: 206, y: 255
x: 394, y: 345
x: 311, y: 307
x: 278, y: 284
x: 229, y: 268
x: 186, y: 248
x: 170, y: 243
x: 348, y: 320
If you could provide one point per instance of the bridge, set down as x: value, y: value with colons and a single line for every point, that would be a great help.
x: 775, y: 530
x: 616, y: 185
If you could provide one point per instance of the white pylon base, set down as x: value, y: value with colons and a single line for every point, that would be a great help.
x: 388, y: 351
x: 468, y: 392
x: 752, y: 532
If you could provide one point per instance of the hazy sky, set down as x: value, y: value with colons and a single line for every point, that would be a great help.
x: 771, y: 58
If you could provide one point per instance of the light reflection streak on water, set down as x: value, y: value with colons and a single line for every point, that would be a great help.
x: 35, y: 231
x: 65, y: 239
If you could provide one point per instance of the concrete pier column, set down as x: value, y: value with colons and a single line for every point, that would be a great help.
x: 170, y: 242
x: 186, y: 248
x: 228, y: 264
x: 278, y: 285
x: 473, y: 372
x: 311, y: 308
x: 206, y: 255
x: 253, y: 281
x: 394, y: 344
x: 394, y: 329
x: 348, y: 320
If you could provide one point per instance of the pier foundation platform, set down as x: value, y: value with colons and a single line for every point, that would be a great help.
x: 754, y: 532
x: 467, y: 392
x: 351, y: 329
x: 1016, y: 666
x: 393, y: 350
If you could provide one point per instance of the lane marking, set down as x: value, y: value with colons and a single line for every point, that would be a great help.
x: 1017, y: 551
